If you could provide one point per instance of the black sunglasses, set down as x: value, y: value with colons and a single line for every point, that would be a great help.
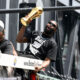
x: 52, y: 24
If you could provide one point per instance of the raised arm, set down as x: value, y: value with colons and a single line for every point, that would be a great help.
x: 35, y: 12
x: 20, y: 37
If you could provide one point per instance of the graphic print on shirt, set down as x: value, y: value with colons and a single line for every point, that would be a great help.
x: 37, y: 44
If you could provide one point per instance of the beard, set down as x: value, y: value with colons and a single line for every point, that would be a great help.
x: 48, y: 31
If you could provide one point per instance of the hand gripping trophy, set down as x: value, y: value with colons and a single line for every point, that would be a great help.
x: 35, y: 12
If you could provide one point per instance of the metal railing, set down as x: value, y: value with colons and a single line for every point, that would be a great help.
x: 21, y: 10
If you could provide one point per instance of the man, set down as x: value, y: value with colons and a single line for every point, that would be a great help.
x: 41, y: 46
x: 6, y: 47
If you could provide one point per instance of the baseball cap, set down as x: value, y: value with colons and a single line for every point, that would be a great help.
x: 1, y: 26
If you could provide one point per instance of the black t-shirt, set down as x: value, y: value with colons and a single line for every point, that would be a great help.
x: 41, y: 45
x: 6, y: 47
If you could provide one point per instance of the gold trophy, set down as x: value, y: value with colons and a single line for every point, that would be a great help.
x: 35, y: 12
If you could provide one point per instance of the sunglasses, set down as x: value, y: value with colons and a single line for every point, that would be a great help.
x: 52, y: 24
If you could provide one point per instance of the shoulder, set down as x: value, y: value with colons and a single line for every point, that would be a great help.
x: 52, y: 42
x: 5, y: 41
x: 29, y: 32
x: 35, y: 34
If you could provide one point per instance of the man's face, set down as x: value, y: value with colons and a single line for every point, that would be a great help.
x: 1, y: 36
x: 50, y: 27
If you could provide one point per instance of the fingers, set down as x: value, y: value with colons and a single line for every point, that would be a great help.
x: 38, y: 68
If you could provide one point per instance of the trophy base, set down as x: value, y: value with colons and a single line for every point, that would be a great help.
x: 23, y: 21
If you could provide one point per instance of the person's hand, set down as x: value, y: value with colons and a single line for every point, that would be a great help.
x: 38, y: 68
